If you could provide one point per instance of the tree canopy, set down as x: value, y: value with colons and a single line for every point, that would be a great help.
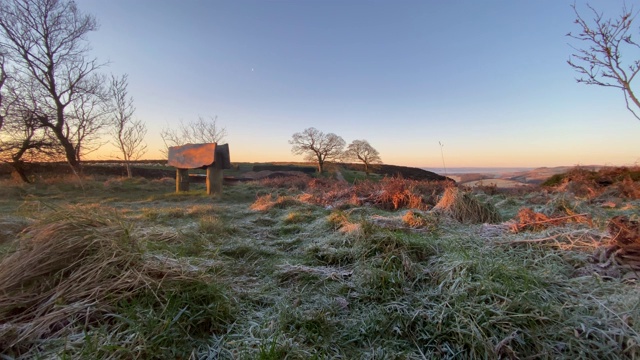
x: 317, y: 146
x: 361, y: 150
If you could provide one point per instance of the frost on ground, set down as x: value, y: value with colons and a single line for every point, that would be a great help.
x: 311, y: 268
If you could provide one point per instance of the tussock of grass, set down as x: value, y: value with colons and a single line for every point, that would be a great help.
x: 297, y: 217
x: 215, y: 226
x: 268, y: 202
x: 72, y: 269
x: 465, y: 208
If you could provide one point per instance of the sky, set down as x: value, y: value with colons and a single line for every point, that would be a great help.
x: 488, y: 80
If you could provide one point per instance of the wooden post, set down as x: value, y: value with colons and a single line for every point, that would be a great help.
x: 214, y: 179
x: 182, y: 180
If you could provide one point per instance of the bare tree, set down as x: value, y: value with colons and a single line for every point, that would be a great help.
x: 22, y: 136
x: 317, y: 146
x: 361, y: 150
x: 88, y: 117
x: 195, y: 132
x: 600, y: 61
x: 47, y: 39
x: 127, y: 133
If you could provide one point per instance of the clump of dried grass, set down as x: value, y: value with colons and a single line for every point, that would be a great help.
x: 463, y: 207
x: 529, y: 220
x: 268, y: 202
x: 420, y: 220
x: 67, y: 271
x: 398, y: 193
x: 341, y: 222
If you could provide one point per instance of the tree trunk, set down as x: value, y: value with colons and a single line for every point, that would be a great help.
x: 69, y: 149
x: 129, y: 173
x: 19, y: 169
x: 57, y: 128
x: 320, y: 165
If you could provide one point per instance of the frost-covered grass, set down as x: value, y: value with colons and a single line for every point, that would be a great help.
x: 282, y: 276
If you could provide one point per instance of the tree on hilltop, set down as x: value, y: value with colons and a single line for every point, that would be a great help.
x: 361, y: 150
x: 317, y: 146
x: 600, y: 61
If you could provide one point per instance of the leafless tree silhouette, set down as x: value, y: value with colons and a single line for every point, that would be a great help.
x: 46, y: 39
x: 196, y: 132
x: 600, y: 61
x: 317, y: 146
x: 127, y: 133
x: 361, y: 150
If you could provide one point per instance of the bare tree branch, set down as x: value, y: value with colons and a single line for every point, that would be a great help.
x: 600, y: 62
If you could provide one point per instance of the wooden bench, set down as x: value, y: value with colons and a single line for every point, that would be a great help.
x: 211, y: 156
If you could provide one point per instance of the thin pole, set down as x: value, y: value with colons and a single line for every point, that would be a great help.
x: 442, y: 153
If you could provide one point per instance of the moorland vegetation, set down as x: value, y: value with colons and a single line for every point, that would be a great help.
x: 304, y: 267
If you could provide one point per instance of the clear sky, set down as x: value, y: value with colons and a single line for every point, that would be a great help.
x: 488, y: 79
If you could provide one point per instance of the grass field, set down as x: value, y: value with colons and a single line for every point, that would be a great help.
x: 305, y: 268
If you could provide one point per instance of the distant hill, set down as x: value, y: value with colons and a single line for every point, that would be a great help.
x: 532, y: 176
x: 157, y: 169
x: 403, y: 171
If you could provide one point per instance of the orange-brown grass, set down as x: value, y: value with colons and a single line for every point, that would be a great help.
x: 69, y: 270
x: 417, y: 220
x: 388, y: 194
x: 268, y: 202
x: 397, y: 193
x: 463, y: 207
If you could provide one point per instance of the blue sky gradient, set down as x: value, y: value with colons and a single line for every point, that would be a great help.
x: 487, y: 78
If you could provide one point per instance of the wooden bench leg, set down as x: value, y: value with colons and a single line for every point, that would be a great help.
x: 182, y: 180
x: 214, y: 180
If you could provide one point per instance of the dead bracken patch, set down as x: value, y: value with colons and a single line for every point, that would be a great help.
x: 625, y: 241
x: 392, y: 193
x: 529, y: 220
x: 622, y: 182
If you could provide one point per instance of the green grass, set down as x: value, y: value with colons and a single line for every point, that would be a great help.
x: 290, y: 280
x: 352, y: 176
